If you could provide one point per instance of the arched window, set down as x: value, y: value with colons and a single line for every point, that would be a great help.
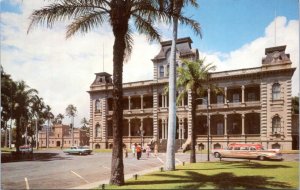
x: 97, y: 107
x: 276, y: 124
x: 98, y: 130
x: 276, y: 91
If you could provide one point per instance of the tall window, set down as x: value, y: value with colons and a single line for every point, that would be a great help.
x: 98, y: 131
x: 97, y: 107
x: 276, y: 124
x: 251, y: 96
x: 236, y: 98
x: 276, y: 91
x: 220, y: 99
x: 220, y: 128
x: 161, y: 71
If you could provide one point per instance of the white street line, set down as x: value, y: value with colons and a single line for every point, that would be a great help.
x: 160, y: 159
x: 178, y: 160
x: 105, y: 167
x: 26, y: 181
x: 80, y: 176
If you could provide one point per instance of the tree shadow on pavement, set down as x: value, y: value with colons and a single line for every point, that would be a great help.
x: 255, y: 165
x: 224, y: 180
x: 38, y: 156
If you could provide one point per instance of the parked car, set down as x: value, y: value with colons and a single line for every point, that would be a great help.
x: 247, y: 151
x: 26, y: 149
x: 78, y: 150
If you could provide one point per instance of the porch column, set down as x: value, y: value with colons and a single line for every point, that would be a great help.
x: 162, y: 100
x: 225, y: 95
x: 243, y: 124
x: 182, y: 101
x: 208, y: 96
x: 142, y: 102
x: 165, y: 71
x: 166, y: 101
x: 129, y: 128
x: 225, y: 124
x: 163, y: 129
x: 243, y: 94
x: 166, y: 129
x: 129, y: 102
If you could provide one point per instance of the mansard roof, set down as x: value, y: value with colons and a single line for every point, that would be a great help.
x: 183, y: 48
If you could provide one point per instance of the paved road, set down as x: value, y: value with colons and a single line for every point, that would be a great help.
x: 53, y: 169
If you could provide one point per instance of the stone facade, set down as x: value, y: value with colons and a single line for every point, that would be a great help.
x: 60, y: 136
x: 255, y: 106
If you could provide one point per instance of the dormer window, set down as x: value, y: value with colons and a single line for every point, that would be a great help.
x: 276, y: 91
x: 161, y: 71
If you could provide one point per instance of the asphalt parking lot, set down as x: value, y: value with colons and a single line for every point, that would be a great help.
x: 52, y: 169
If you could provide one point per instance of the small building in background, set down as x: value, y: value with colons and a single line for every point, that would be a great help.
x: 61, y: 136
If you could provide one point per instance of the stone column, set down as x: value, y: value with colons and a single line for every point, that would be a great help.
x: 243, y: 124
x: 163, y: 129
x: 166, y: 101
x: 182, y: 101
x: 225, y: 95
x: 225, y: 124
x: 129, y: 102
x: 142, y: 102
x: 208, y: 97
x: 162, y: 100
x: 166, y: 129
x: 165, y: 71
x: 243, y: 94
x: 129, y: 128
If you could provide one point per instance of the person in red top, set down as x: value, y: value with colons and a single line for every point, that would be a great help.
x: 138, y: 151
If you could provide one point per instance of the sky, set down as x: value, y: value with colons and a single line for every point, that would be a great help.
x: 235, y: 35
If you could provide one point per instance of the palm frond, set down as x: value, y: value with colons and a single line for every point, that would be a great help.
x: 85, y: 23
x: 128, y: 44
x: 145, y: 27
x: 195, y: 26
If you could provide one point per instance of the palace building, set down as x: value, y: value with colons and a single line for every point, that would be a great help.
x: 255, y: 106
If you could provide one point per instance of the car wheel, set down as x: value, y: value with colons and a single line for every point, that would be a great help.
x: 217, y: 155
x: 261, y: 158
x: 80, y: 153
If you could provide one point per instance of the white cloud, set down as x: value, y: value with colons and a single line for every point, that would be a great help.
x: 62, y: 70
x: 251, y: 54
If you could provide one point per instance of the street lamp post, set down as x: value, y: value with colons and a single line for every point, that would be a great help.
x: 208, y: 127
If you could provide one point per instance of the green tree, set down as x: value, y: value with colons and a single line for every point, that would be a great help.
x: 71, y: 111
x: 174, y: 10
x: 47, y: 117
x: 59, y: 118
x: 193, y: 76
x: 84, y: 123
x: 23, y: 99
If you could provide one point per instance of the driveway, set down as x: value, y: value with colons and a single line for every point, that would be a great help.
x: 52, y: 169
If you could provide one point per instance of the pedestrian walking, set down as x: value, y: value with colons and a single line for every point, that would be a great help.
x: 139, y: 151
x: 133, y: 149
x: 155, y: 149
x: 148, y: 150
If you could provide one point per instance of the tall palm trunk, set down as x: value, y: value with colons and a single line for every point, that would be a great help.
x: 18, y: 134
x: 193, y: 135
x: 170, y: 156
x: 120, y: 28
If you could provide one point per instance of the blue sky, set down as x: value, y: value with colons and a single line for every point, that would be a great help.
x: 235, y: 35
x: 228, y: 24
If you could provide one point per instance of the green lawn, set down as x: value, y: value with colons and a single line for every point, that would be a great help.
x: 221, y: 175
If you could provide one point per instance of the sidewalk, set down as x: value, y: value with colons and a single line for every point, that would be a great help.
x: 127, y: 176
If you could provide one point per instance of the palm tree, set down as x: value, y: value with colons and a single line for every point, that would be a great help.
x: 48, y: 116
x: 37, y: 108
x: 174, y: 8
x: 89, y: 14
x: 191, y: 77
x: 23, y: 98
x: 84, y: 123
x: 71, y: 111
x: 59, y: 118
